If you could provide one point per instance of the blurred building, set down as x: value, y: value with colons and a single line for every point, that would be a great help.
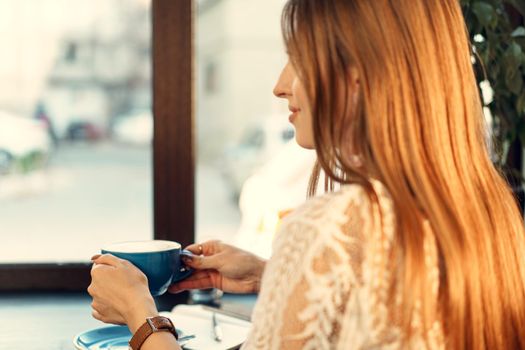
x: 102, y: 71
x: 95, y: 65
x: 239, y: 57
x: 87, y: 67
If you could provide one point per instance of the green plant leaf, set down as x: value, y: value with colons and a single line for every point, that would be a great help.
x: 515, y: 82
x: 518, y: 32
x: 515, y: 49
x: 520, y: 40
x: 484, y: 12
x: 513, y: 57
x: 494, y: 72
x: 503, y: 56
x: 520, y: 104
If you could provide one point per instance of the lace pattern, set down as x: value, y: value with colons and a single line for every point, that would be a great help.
x: 326, y: 284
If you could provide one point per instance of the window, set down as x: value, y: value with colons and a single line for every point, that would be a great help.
x: 249, y: 169
x: 210, y: 79
x: 172, y: 161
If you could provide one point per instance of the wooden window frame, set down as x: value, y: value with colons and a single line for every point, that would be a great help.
x: 173, y: 152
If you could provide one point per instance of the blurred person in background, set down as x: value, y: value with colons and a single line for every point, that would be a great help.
x: 42, y: 116
x: 270, y: 194
x: 422, y: 246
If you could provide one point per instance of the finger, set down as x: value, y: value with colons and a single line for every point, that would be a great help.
x: 97, y: 267
x: 96, y: 315
x: 208, y: 248
x: 95, y: 257
x: 102, y: 308
x: 195, y: 281
x: 91, y: 290
x: 199, y: 280
x: 107, y: 259
x: 96, y: 306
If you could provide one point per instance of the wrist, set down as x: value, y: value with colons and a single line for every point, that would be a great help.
x: 158, y: 325
x: 138, y: 312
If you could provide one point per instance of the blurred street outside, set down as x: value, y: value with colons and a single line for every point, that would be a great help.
x: 92, y: 195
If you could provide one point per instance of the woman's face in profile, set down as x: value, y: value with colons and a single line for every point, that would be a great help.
x: 290, y: 87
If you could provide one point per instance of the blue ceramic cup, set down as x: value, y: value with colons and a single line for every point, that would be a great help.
x: 159, y: 260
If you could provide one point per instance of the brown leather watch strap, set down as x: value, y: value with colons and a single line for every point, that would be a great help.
x: 152, y: 325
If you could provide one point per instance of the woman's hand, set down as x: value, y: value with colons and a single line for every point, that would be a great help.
x: 120, y: 292
x: 219, y: 265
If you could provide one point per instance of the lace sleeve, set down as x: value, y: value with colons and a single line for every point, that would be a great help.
x: 312, y: 274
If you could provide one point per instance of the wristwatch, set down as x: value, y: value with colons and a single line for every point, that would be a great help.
x: 152, y: 325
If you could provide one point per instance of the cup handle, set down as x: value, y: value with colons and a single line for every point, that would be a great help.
x: 184, y: 271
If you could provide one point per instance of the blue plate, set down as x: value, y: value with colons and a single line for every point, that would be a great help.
x: 105, y: 338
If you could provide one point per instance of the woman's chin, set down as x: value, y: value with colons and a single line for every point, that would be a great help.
x: 307, y: 144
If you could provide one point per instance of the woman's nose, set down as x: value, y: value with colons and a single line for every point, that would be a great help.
x: 279, y: 92
x: 279, y: 89
x: 283, y: 87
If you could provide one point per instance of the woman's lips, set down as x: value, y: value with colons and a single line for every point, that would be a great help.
x: 293, y: 116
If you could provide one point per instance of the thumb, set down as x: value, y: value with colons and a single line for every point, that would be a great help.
x: 199, y: 280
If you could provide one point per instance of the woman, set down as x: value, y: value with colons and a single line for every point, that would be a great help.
x: 421, y: 247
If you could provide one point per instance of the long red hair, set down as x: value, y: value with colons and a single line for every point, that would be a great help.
x: 418, y: 127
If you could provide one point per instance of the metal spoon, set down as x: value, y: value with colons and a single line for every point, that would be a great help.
x: 183, y: 340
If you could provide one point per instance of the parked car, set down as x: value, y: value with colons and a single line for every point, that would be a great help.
x: 135, y: 127
x: 257, y: 145
x: 22, y: 139
x: 82, y: 130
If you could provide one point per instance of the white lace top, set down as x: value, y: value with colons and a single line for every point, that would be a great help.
x: 325, y: 286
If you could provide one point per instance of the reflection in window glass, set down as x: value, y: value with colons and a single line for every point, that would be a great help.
x: 75, y: 127
x: 250, y: 171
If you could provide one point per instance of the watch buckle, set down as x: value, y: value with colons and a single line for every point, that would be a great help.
x: 154, y: 328
x: 150, y: 322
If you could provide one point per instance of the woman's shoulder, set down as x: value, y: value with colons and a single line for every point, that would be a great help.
x: 316, y: 262
x: 349, y: 199
x: 349, y: 212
